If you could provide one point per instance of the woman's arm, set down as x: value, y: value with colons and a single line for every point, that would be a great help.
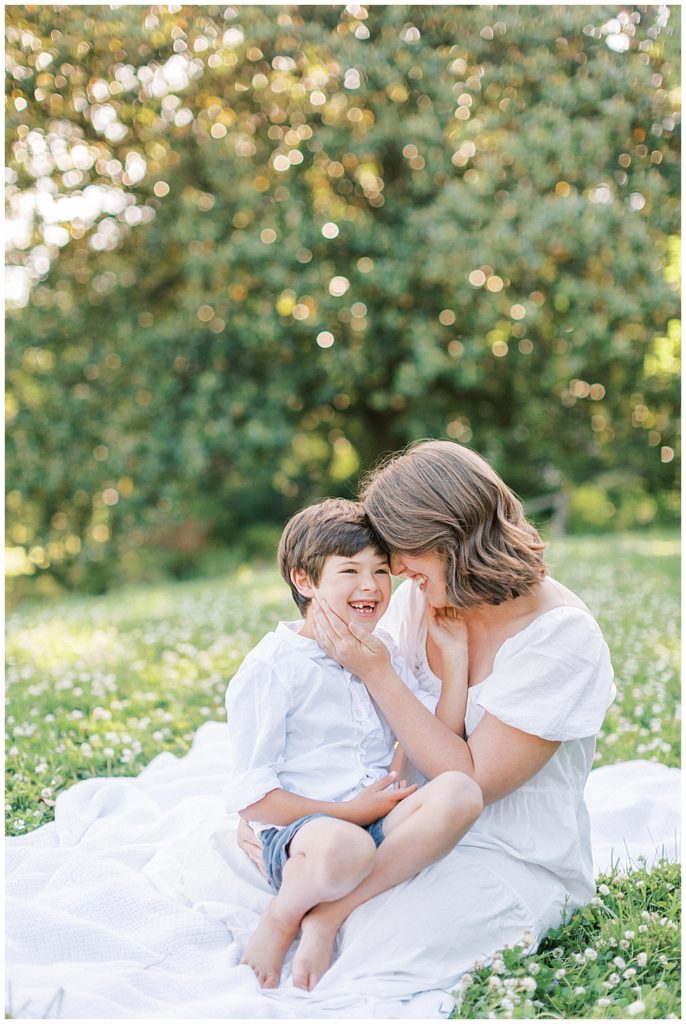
x: 497, y: 756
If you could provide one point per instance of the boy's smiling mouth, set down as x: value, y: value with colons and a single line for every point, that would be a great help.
x: 364, y: 608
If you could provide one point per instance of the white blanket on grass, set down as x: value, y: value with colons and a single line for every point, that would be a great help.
x: 136, y: 903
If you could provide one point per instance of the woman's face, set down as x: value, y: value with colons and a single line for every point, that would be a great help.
x: 427, y: 571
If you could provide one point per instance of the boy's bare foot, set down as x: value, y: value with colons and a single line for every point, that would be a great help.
x: 315, y: 952
x: 268, y: 946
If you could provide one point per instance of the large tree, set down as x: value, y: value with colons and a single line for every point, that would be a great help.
x: 263, y: 245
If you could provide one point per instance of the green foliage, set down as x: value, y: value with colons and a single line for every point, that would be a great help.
x: 319, y: 233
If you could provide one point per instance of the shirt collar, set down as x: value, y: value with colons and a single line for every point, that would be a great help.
x: 288, y: 632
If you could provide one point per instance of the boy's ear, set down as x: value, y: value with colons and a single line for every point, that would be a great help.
x: 302, y: 582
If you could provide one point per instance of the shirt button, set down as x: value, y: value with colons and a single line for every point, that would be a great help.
x: 359, y: 714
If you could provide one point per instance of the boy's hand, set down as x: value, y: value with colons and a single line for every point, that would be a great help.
x: 251, y: 845
x: 448, y: 632
x: 376, y: 800
x: 349, y: 644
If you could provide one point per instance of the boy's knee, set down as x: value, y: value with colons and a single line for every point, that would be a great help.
x: 343, y: 853
x: 456, y: 791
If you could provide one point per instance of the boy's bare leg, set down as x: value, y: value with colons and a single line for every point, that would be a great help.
x: 327, y: 859
x: 418, y: 832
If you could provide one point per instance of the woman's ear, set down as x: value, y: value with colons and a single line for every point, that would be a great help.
x: 302, y: 583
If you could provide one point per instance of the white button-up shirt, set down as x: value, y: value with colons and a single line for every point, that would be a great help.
x: 300, y: 722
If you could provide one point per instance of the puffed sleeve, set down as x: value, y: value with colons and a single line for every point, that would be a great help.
x: 554, y: 679
x: 256, y: 705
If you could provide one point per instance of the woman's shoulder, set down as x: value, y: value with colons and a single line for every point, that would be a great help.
x: 561, y: 617
x: 554, y: 678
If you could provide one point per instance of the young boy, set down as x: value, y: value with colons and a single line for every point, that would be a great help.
x: 313, y: 756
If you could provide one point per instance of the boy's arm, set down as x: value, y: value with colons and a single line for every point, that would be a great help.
x: 447, y: 645
x: 452, y: 704
x: 399, y: 761
x: 280, y: 807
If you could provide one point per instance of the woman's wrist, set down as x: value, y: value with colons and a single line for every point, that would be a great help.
x: 379, y: 675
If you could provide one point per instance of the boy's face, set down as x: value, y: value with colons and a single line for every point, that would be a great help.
x: 357, y: 588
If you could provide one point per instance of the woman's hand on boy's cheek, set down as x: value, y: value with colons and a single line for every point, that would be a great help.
x: 349, y: 644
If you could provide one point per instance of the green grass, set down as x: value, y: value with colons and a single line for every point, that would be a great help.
x: 99, y: 686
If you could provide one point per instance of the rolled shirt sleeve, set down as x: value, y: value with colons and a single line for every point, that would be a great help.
x: 257, y: 705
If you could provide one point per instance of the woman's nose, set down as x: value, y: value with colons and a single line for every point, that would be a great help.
x: 397, y: 567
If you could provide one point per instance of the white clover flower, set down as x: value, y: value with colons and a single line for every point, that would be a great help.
x: 494, y: 981
x: 590, y: 954
x: 618, y: 962
x: 604, y: 890
x: 643, y: 928
x: 633, y: 1009
x: 528, y: 984
x: 603, y: 1001
x: 507, y: 1004
x: 534, y: 968
x: 579, y: 990
x: 629, y: 935
x: 629, y: 973
x: 624, y: 944
x: 560, y: 973
x: 613, y: 979
x: 19, y: 825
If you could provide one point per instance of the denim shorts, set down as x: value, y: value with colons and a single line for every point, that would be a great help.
x: 276, y: 844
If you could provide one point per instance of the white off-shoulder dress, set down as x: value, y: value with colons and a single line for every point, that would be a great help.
x: 526, y: 864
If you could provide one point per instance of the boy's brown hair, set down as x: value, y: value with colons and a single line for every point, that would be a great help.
x: 442, y: 497
x: 334, y: 526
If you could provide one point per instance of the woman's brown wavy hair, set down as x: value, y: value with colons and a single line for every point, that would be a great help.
x: 442, y: 497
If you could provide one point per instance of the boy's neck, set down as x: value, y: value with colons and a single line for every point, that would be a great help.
x: 306, y: 629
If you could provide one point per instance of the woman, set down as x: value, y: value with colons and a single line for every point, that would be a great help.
x: 539, y: 683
